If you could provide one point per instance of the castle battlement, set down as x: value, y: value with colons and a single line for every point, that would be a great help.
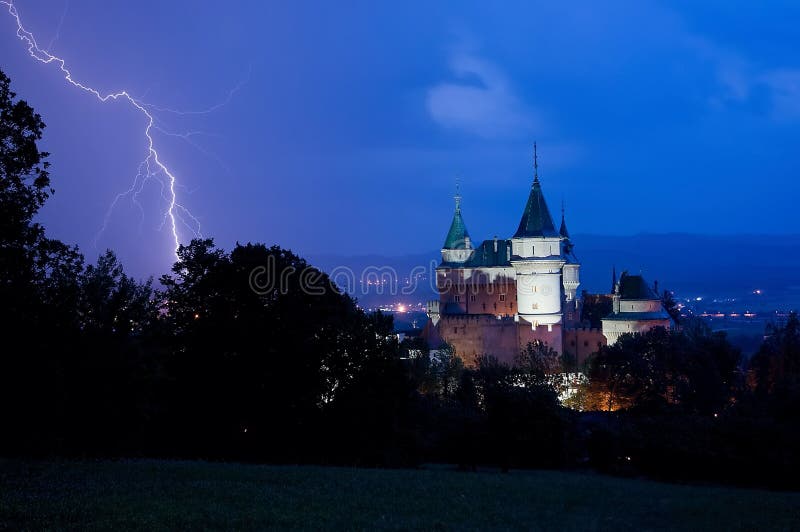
x: 478, y: 317
x: 584, y: 329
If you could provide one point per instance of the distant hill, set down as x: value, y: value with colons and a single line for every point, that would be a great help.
x: 701, y: 265
x: 694, y: 263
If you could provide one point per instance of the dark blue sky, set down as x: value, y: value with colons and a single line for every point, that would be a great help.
x: 353, y: 119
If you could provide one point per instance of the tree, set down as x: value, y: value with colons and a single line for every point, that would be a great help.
x: 776, y: 365
x: 445, y: 369
x: 671, y: 306
x: 614, y: 377
x: 595, y: 307
x: 38, y: 284
x: 111, y: 302
x: 708, y: 370
x: 24, y: 178
x: 24, y: 187
x: 695, y: 369
x: 523, y: 422
x: 535, y: 362
x: 264, y: 345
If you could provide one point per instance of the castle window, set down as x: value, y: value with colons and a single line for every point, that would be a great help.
x: 495, y: 306
x: 586, y: 343
x: 484, y: 306
x: 457, y: 299
x: 502, y: 297
x: 535, y: 306
x: 455, y: 330
x: 472, y: 298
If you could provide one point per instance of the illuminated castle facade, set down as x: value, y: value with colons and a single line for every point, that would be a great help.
x: 497, y: 296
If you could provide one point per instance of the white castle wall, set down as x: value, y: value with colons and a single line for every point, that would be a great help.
x: 640, y: 305
x: 536, y: 247
x: 539, y: 293
x: 613, y: 329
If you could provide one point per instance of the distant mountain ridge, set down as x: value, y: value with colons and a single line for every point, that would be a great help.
x: 689, y: 264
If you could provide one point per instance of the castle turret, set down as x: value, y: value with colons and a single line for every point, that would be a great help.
x: 571, y: 277
x: 637, y: 308
x: 613, y: 279
x: 457, y: 246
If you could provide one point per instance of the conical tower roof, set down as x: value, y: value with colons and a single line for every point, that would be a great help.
x: 536, y: 220
x: 457, y: 236
x: 563, y: 230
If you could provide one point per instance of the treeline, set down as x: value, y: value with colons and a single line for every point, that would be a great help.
x: 210, y: 364
x: 690, y: 408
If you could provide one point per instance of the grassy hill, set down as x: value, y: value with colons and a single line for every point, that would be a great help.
x: 160, y: 495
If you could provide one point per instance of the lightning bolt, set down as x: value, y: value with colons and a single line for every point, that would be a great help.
x: 151, y: 167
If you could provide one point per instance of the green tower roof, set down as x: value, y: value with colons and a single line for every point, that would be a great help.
x: 457, y: 235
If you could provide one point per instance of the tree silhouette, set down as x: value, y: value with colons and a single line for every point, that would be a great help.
x: 776, y: 365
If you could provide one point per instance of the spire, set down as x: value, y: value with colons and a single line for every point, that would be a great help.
x: 536, y: 220
x: 457, y: 236
x: 613, y: 279
x: 563, y: 231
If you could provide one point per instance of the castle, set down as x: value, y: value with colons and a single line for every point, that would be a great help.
x: 499, y: 295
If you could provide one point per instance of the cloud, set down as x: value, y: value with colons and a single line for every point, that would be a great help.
x: 731, y: 70
x: 784, y: 86
x: 741, y: 81
x: 481, y: 102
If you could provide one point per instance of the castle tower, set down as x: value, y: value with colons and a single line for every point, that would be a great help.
x: 540, y: 255
x: 637, y: 308
x: 457, y: 246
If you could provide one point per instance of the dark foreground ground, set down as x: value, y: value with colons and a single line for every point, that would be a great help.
x: 153, y: 495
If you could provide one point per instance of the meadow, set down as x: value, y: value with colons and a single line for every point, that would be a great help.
x: 164, y: 495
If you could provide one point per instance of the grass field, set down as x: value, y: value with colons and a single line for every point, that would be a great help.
x: 160, y: 495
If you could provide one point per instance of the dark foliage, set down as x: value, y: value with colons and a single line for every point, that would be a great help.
x: 671, y: 306
x: 775, y: 368
x: 595, y: 307
x: 694, y: 368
